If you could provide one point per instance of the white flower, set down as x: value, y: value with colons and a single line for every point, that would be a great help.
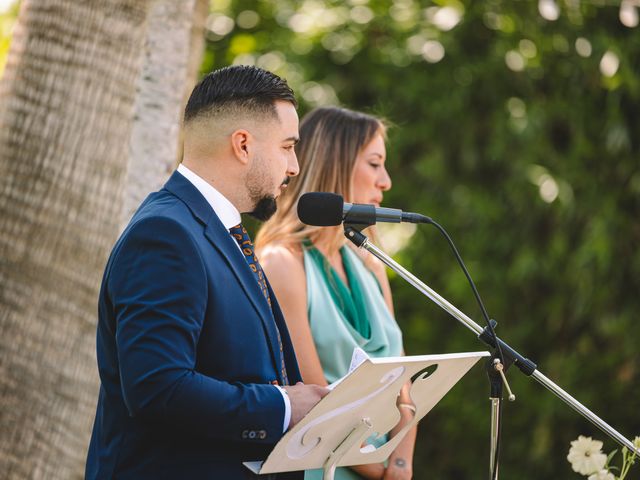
x: 586, y: 457
x: 602, y: 475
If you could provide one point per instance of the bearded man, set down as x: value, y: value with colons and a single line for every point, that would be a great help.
x: 197, y: 370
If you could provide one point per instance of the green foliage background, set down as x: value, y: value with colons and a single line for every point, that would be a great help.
x: 477, y: 145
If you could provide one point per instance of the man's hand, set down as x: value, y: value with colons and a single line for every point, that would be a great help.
x: 303, y: 398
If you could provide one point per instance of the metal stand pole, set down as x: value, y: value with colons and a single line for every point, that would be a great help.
x: 525, y: 365
x: 497, y: 381
x: 495, y: 428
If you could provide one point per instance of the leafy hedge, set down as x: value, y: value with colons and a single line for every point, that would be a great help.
x: 520, y: 135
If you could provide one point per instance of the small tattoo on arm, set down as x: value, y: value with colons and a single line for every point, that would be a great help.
x: 400, y: 462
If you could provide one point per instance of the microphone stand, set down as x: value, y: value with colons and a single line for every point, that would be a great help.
x: 353, y: 232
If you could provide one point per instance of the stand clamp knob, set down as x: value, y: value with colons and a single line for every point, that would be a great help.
x: 497, y: 365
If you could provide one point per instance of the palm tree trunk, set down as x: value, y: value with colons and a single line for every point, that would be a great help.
x: 168, y: 67
x: 67, y: 104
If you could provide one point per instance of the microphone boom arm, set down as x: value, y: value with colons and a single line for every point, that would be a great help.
x: 354, y: 234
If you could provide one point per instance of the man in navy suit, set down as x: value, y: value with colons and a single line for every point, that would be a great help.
x: 197, y: 370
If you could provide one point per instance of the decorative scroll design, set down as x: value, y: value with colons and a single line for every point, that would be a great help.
x: 417, y: 381
x: 299, y: 446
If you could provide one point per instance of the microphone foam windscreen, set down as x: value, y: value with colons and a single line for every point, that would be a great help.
x: 320, y: 209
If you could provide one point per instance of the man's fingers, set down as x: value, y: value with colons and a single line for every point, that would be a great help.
x: 324, y: 391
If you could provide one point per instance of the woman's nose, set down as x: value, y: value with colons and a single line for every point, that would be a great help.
x: 384, y: 181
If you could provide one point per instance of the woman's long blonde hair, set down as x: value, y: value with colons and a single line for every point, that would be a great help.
x: 330, y: 140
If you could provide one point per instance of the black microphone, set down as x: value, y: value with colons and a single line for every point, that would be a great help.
x: 328, y: 209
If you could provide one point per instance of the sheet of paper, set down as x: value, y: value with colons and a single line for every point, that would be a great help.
x: 357, y: 357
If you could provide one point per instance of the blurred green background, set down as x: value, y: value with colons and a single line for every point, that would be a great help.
x: 516, y: 127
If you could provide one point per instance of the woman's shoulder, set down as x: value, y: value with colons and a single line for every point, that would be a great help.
x: 284, y: 266
x: 281, y: 255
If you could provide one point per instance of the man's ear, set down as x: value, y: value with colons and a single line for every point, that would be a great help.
x: 242, y: 145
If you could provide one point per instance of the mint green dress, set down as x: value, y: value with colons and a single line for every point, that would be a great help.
x: 343, y: 317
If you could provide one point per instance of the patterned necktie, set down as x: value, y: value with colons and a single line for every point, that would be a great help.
x: 242, y: 237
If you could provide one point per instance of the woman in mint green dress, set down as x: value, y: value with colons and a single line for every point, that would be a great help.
x: 334, y: 297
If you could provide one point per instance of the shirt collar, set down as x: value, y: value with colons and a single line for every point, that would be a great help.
x: 224, y: 209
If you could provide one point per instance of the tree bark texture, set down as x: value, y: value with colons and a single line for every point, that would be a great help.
x: 160, y: 96
x: 72, y: 86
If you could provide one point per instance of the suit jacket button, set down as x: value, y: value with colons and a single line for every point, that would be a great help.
x: 262, y: 434
x: 252, y: 434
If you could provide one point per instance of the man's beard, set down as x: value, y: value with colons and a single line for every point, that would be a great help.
x: 265, y: 203
x: 265, y: 208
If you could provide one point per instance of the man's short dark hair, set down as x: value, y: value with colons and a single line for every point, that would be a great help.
x: 237, y: 88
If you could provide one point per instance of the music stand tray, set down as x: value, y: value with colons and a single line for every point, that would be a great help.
x: 362, y: 405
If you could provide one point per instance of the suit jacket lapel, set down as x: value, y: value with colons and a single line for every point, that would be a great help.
x: 219, y: 237
x: 222, y: 240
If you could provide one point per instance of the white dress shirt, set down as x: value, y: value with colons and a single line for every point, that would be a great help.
x: 230, y: 217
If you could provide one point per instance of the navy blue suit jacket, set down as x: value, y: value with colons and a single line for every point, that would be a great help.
x: 187, y: 349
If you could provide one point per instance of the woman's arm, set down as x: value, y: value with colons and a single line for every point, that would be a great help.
x: 400, y: 464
